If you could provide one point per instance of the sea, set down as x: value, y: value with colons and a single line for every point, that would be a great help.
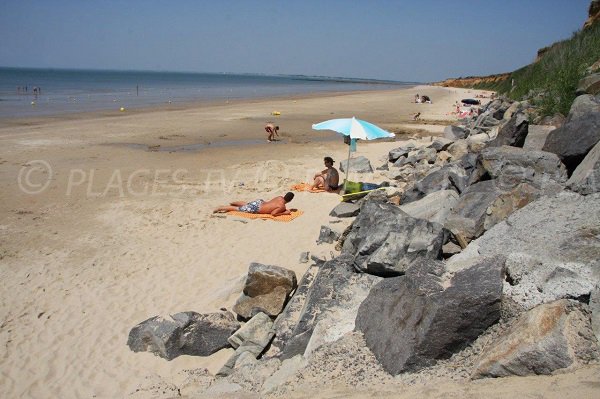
x: 31, y: 92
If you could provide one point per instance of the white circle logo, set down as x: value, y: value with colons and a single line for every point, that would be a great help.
x: 34, y: 176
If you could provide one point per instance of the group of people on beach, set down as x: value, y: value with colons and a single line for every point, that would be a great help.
x: 327, y: 179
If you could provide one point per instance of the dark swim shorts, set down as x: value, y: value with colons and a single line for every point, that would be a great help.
x: 252, y: 207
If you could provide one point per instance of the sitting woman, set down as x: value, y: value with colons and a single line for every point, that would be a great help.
x: 327, y: 179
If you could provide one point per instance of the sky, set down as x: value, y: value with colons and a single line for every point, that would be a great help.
x: 404, y: 40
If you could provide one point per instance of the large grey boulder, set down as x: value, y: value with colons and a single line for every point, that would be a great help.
x: 455, y: 132
x: 469, y: 213
x: 579, y: 134
x: 512, y: 133
x: 547, y: 338
x: 329, y: 308
x: 434, y: 207
x: 396, y: 153
x: 511, y: 166
x: 536, y: 137
x: 345, y: 210
x: 357, y: 165
x: 252, y: 338
x: 450, y: 177
x: 552, y: 247
x: 589, y: 85
x: 384, y: 240
x: 440, y: 143
x: 410, y: 322
x: 413, y: 157
x: 266, y: 290
x: 185, y: 333
x: 586, y: 177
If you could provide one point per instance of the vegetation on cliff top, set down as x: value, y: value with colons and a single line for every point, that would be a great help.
x: 551, y: 82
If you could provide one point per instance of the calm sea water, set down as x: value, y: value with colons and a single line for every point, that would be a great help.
x: 69, y: 91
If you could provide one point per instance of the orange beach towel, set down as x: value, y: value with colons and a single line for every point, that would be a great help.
x: 280, y: 218
x: 306, y: 187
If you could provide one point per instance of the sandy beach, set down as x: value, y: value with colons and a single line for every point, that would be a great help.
x: 106, y: 220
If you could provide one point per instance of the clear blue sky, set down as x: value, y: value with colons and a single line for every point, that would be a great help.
x: 410, y: 40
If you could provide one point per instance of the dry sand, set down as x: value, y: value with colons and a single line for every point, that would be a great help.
x: 118, y: 234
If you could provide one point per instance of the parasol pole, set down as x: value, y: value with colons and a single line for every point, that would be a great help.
x: 348, y: 164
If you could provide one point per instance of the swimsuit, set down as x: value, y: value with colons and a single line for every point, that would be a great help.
x: 252, y: 207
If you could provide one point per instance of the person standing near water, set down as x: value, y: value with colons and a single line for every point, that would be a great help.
x: 272, y: 130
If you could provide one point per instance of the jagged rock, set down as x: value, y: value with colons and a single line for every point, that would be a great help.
x: 545, y: 339
x: 410, y: 322
x: 328, y: 236
x: 357, y: 165
x: 455, y: 132
x: 586, y: 177
x: 251, y: 339
x: 434, y: 207
x: 450, y: 177
x: 511, y: 110
x: 286, y: 322
x: 266, y: 290
x: 537, y: 137
x: 449, y: 249
x: 428, y: 154
x: 345, y: 210
x: 441, y: 143
x: 508, y: 202
x: 185, y: 333
x: 512, y: 166
x: 595, y: 309
x: 552, y: 247
x: 288, y: 368
x: 384, y: 240
x: 579, y: 134
x: 332, y: 300
x: 469, y: 213
x: 442, y: 158
x: 554, y: 121
x: 589, y: 85
x: 512, y: 133
x: 478, y: 138
x: 459, y: 149
x: 396, y: 153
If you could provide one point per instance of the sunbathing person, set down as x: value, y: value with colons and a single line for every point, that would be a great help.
x: 327, y: 179
x: 274, y: 207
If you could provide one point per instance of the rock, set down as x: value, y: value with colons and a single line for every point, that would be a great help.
x: 586, y: 177
x: 512, y: 166
x: 536, y: 137
x: 328, y: 236
x: 458, y: 149
x: 304, y: 257
x: 508, y: 202
x: 332, y: 300
x: 410, y: 322
x: 595, y: 309
x: 286, y: 322
x: 513, y: 133
x: 455, y: 132
x: 578, y: 135
x: 469, y: 213
x: 434, y: 207
x: 552, y: 247
x: 478, y: 138
x: 441, y: 143
x: 266, y: 290
x: 589, y: 85
x: 384, y: 240
x: 511, y: 110
x: 258, y: 326
x: 554, y: 121
x: 357, y: 165
x: 288, y: 368
x: 450, y: 177
x: 396, y: 153
x: 545, y: 339
x: 185, y: 333
x: 449, y: 249
x: 251, y: 339
x: 345, y: 210
x: 428, y: 154
x: 442, y: 158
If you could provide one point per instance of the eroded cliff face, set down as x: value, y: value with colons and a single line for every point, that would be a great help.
x: 470, y: 81
x: 593, y: 14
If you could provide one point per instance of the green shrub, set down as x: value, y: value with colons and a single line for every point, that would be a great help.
x: 551, y: 82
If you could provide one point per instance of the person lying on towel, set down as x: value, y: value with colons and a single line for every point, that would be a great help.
x: 274, y: 207
x: 327, y: 179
